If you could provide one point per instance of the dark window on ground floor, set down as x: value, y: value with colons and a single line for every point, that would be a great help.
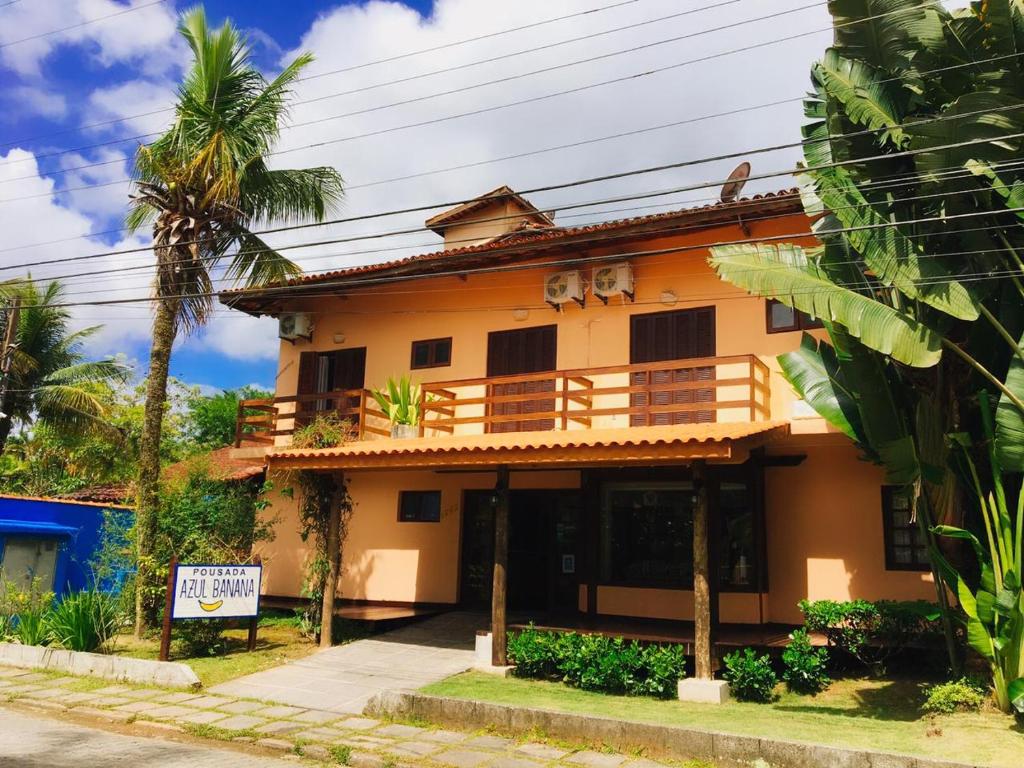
x: 646, y: 534
x: 419, y: 507
x: 905, y: 546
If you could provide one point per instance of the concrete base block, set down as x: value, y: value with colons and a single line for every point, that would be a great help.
x: 490, y: 669
x: 703, y: 691
x: 483, y: 649
x: 167, y: 674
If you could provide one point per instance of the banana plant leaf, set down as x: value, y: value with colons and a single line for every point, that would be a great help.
x: 788, y: 273
x: 814, y: 373
x: 868, y: 97
x: 894, y: 258
x: 1009, y: 430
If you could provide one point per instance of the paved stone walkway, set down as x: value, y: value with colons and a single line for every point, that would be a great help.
x: 346, y: 677
x: 335, y: 737
x: 41, y: 742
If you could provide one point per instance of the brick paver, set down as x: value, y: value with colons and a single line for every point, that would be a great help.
x: 310, y: 732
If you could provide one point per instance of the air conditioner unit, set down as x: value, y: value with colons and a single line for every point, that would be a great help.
x: 613, y: 280
x: 295, y: 325
x: 563, y: 287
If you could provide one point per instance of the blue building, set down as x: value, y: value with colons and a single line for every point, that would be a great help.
x: 52, y: 539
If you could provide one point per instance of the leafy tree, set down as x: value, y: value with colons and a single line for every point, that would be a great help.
x: 911, y: 168
x: 51, y: 382
x: 204, y: 185
x: 211, y: 418
x: 49, y: 461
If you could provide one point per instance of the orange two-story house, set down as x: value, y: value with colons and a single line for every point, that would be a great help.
x: 609, y: 374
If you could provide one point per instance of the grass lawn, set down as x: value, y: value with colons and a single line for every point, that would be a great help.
x: 878, y: 714
x: 278, y: 641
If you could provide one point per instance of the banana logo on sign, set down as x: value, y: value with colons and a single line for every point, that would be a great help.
x: 210, y: 607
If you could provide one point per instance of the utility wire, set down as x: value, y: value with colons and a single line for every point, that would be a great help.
x: 579, y: 89
x: 603, y: 178
x: 81, y: 24
x: 883, y: 183
x: 517, y: 156
x: 104, y: 123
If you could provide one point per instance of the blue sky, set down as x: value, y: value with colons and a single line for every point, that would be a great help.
x: 55, y: 84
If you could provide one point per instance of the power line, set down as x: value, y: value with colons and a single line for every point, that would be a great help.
x: 80, y: 24
x: 897, y: 180
x: 579, y: 89
x: 354, y: 282
x: 520, y: 155
x: 608, y: 177
x: 104, y: 123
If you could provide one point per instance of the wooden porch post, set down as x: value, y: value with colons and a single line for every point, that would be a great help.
x: 333, y: 562
x: 499, y: 640
x: 703, y: 591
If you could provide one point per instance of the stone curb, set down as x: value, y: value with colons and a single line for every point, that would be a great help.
x: 657, y: 740
x: 166, y: 674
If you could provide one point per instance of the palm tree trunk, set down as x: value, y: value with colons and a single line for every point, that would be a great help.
x: 6, y: 421
x: 148, y: 489
x: 333, y: 545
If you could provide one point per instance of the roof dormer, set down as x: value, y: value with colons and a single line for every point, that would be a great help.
x: 490, y: 216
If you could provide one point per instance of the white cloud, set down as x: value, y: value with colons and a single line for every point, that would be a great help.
x: 100, y: 190
x: 39, y: 219
x: 27, y: 99
x: 130, y: 98
x: 145, y: 37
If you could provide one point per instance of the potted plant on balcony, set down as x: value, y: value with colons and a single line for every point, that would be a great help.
x: 400, y: 402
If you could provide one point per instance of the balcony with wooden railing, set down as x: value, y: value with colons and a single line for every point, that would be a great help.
x: 714, y: 389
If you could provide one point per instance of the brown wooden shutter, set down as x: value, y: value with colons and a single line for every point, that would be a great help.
x: 306, y: 386
x: 526, y: 350
x: 673, y: 335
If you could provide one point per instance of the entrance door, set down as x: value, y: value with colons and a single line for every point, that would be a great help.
x: 521, y: 351
x: 26, y: 559
x: 675, y: 335
x: 543, y: 528
x: 334, y: 371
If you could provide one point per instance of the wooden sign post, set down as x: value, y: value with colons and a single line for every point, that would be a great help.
x: 165, y: 635
x: 211, y: 591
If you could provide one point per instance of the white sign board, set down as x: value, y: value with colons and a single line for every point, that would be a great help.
x: 216, y: 591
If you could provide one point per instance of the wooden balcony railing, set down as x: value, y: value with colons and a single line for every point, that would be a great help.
x: 714, y: 389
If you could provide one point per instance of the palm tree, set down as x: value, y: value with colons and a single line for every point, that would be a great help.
x: 50, y: 380
x: 912, y: 167
x: 204, y: 186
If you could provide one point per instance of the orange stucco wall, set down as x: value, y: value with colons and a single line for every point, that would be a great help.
x: 824, y: 536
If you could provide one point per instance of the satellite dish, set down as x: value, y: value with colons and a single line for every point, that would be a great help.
x: 734, y: 184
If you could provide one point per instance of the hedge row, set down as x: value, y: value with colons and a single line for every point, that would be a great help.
x: 598, y: 663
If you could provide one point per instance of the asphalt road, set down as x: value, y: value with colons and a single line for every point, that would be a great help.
x: 30, y: 741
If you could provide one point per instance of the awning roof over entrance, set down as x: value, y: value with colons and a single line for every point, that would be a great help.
x: 728, y: 443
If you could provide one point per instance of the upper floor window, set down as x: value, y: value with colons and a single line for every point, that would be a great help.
x: 419, y: 507
x: 905, y: 546
x: 784, y: 318
x: 432, y: 353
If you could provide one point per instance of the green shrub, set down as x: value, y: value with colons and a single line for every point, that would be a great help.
x: 26, y: 612
x: 533, y: 653
x: 664, y: 666
x: 751, y: 677
x: 871, y: 632
x: 84, y: 621
x: 200, y: 637
x: 598, y: 663
x: 963, y: 695
x: 806, y: 666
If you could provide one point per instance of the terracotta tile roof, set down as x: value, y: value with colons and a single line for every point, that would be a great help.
x: 503, y: 192
x: 223, y: 466
x: 783, y: 202
x: 112, y: 494
x: 64, y: 500
x: 637, y: 444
